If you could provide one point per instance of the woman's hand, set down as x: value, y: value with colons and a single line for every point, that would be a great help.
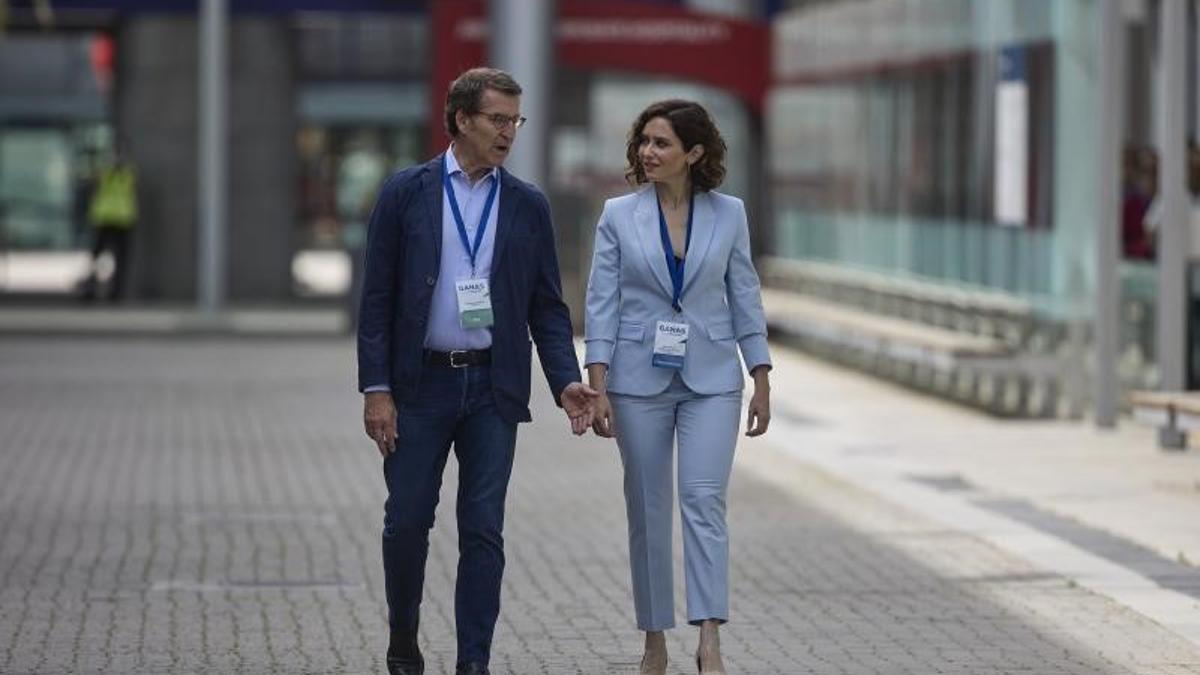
x: 602, y: 422
x: 759, y: 416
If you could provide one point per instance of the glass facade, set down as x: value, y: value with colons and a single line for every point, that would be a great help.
x: 953, y: 143
x: 362, y: 102
x: 883, y: 151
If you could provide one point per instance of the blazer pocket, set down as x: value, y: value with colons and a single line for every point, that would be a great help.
x: 720, y: 330
x: 629, y: 330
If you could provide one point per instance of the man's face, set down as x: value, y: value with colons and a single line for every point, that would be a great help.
x: 488, y: 134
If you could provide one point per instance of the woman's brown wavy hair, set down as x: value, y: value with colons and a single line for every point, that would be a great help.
x: 694, y: 126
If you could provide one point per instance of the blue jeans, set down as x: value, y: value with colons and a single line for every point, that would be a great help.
x: 453, y: 407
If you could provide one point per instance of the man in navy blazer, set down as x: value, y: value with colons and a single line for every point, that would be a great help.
x: 461, y: 273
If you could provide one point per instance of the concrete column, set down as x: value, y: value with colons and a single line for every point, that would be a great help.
x: 1110, y: 102
x: 213, y: 152
x: 262, y: 213
x: 156, y: 104
x: 1076, y: 200
x: 159, y: 119
x: 521, y: 41
x: 1173, y: 244
x: 1075, y: 160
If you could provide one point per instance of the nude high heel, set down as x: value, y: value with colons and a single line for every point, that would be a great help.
x: 652, y: 668
x: 655, y: 646
x: 719, y: 670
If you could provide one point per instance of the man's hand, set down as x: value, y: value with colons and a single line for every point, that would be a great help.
x: 579, y: 400
x: 603, y: 422
x: 379, y: 418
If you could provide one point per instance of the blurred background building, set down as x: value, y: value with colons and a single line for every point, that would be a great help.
x: 929, y: 166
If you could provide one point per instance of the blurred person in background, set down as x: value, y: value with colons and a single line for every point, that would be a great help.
x: 1152, y: 221
x: 1139, y: 173
x: 112, y: 213
x: 461, y: 272
x: 672, y: 297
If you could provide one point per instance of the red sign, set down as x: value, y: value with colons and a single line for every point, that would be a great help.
x: 628, y: 36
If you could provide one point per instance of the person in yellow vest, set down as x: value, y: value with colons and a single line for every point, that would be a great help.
x: 112, y: 213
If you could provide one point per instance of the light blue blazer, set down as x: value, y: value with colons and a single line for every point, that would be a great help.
x: 629, y: 291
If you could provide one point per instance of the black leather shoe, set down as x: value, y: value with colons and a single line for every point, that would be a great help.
x: 405, y: 666
x: 471, y: 669
x: 404, y: 655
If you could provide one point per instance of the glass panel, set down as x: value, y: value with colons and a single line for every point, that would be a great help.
x: 342, y: 168
x: 881, y: 139
x: 36, y: 191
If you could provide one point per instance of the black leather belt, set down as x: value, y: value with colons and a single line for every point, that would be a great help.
x: 459, y: 359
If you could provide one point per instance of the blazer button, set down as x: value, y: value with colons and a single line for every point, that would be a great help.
x: 430, y: 281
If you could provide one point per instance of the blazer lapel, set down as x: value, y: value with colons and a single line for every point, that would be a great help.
x: 645, y: 222
x: 509, y: 195
x: 431, y: 192
x: 703, y: 228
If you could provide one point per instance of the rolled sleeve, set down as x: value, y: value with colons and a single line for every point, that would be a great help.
x: 754, y: 351
x: 598, y: 351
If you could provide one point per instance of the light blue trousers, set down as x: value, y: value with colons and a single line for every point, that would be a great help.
x: 706, y: 428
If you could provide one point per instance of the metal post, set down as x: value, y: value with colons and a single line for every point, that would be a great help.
x: 1111, y: 131
x: 1173, y: 235
x: 213, y: 154
x: 522, y: 42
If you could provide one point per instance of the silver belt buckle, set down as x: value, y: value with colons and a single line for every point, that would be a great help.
x: 455, y: 364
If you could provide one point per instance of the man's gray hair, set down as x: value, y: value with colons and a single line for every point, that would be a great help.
x: 466, y: 93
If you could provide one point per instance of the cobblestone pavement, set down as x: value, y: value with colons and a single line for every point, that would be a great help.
x: 208, y: 506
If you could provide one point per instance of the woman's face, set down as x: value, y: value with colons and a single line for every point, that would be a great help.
x: 661, y: 152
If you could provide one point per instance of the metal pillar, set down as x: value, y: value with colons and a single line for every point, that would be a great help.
x: 1076, y: 203
x: 522, y: 42
x: 1173, y: 244
x: 1111, y: 131
x: 213, y: 171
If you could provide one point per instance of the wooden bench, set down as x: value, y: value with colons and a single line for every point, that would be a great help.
x: 1175, y: 413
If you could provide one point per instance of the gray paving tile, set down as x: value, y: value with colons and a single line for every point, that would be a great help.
x: 209, y: 506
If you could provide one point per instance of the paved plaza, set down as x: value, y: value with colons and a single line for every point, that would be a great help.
x: 211, y: 506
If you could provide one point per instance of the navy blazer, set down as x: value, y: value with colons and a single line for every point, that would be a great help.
x: 403, y: 256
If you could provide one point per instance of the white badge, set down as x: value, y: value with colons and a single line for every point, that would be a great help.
x: 670, y: 344
x: 474, y: 303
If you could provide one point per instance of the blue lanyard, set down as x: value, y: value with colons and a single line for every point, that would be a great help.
x: 458, y: 219
x: 676, y: 269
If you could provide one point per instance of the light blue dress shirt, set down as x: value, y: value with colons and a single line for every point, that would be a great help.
x: 445, y: 333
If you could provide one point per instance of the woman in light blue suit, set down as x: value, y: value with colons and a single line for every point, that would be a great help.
x: 672, y: 297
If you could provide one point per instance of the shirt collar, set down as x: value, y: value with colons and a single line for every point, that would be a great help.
x: 452, y: 166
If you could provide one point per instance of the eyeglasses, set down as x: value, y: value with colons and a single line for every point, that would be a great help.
x: 502, y: 122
